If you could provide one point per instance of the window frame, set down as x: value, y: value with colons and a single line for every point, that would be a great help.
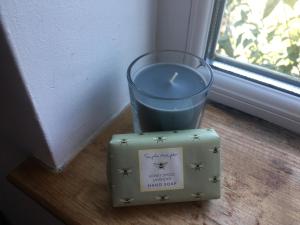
x: 219, y: 62
x: 248, y: 88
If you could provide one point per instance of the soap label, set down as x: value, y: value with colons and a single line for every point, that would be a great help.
x: 161, y: 169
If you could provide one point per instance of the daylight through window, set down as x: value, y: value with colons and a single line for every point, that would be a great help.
x: 264, y: 33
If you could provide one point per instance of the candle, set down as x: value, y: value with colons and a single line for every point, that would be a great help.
x: 168, y: 96
x: 156, y: 80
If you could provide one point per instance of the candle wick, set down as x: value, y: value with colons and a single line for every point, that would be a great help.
x: 174, y: 77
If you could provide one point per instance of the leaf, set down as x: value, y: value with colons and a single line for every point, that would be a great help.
x: 269, y: 66
x: 256, y: 55
x: 285, y: 68
x: 271, y: 4
x: 253, y: 24
x: 291, y: 3
x: 255, y: 32
x: 239, y: 39
x: 238, y: 23
x: 278, y: 60
x: 244, y: 16
x: 270, y: 35
x: 293, y: 52
x: 246, y: 42
x: 226, y: 45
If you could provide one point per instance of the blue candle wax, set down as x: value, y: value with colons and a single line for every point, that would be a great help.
x: 168, y: 101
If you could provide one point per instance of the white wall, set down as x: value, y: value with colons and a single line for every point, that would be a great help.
x: 173, y: 17
x: 184, y: 25
x: 72, y: 56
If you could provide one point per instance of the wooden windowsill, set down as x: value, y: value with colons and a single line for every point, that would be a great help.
x: 260, y: 179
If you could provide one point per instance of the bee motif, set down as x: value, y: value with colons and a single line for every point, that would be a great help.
x: 125, y: 171
x: 197, y: 166
x: 160, y: 139
x: 162, y: 198
x: 196, y: 137
x: 214, y: 179
x: 126, y: 200
x: 160, y: 165
x: 124, y: 141
x: 198, y: 195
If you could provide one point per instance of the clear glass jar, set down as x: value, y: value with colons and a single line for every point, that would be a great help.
x: 168, y: 90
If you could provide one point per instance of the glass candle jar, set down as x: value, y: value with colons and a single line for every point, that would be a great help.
x: 168, y: 90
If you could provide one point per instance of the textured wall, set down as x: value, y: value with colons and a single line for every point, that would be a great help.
x: 20, y: 133
x: 72, y: 57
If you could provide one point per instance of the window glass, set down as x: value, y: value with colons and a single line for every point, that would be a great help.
x: 264, y: 33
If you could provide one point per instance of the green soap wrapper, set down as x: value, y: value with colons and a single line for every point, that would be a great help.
x: 162, y: 167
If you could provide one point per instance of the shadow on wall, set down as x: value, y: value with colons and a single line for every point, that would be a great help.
x: 19, y: 133
x: 19, y: 126
x: 3, y: 220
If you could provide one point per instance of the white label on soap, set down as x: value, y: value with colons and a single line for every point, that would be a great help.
x: 161, y: 169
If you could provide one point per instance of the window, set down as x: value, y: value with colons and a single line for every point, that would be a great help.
x: 265, y: 34
x: 262, y: 38
x: 254, y: 50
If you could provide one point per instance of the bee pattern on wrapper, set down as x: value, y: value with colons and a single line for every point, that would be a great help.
x: 155, y: 167
x: 160, y: 165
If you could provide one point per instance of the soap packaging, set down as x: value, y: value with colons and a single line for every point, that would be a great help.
x: 164, y: 167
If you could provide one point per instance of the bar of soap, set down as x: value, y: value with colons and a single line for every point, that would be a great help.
x: 162, y: 167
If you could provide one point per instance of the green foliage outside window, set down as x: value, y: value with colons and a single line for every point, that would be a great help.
x: 265, y: 33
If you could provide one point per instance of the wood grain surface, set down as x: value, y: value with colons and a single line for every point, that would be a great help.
x: 260, y: 179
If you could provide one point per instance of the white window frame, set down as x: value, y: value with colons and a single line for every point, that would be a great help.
x: 271, y: 99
